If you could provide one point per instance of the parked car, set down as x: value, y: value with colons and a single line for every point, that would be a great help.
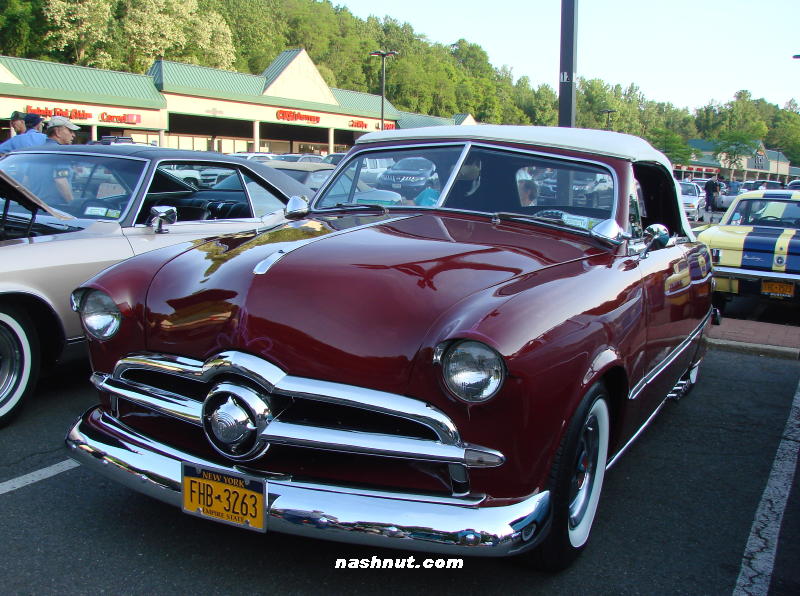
x: 749, y: 185
x: 334, y: 158
x: 313, y: 157
x: 312, y: 174
x: 694, y: 202
x: 372, y: 167
x: 256, y: 156
x: 793, y: 185
x: 453, y: 378
x: 74, y: 210
x: 756, y: 247
x: 409, y: 177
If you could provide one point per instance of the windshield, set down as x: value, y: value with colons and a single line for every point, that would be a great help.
x: 772, y: 213
x: 481, y: 180
x: 688, y: 189
x: 93, y: 186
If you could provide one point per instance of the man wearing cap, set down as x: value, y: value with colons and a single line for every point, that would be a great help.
x: 18, y: 122
x: 51, y: 178
x: 31, y: 137
x: 61, y: 130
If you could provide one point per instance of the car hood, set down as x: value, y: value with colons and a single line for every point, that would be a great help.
x: 347, y: 299
x: 756, y: 247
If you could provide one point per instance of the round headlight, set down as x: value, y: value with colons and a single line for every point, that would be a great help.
x: 100, y: 316
x: 473, y: 371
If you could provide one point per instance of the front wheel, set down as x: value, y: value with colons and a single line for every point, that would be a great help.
x: 19, y: 360
x: 576, y: 482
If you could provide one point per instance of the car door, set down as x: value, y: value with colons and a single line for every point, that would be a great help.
x: 231, y: 200
x: 670, y: 313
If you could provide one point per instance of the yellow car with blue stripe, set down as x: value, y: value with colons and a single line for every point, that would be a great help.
x: 755, y: 249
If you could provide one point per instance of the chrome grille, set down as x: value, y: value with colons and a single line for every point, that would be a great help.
x: 313, y: 414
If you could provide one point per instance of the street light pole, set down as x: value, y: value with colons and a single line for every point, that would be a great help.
x: 383, y: 54
x: 608, y: 117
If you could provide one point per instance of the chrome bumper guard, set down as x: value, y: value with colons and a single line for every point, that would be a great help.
x: 429, y: 523
x: 755, y: 274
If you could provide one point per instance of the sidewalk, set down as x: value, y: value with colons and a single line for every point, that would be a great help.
x: 768, y: 339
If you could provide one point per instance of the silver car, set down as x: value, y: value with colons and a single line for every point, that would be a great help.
x: 694, y: 200
x: 67, y: 212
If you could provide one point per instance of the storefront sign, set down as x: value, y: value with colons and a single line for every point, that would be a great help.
x: 121, y: 118
x: 293, y: 116
x: 386, y: 126
x: 73, y: 114
x: 357, y: 124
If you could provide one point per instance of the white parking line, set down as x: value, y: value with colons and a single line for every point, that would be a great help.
x: 759, y: 554
x: 43, y: 474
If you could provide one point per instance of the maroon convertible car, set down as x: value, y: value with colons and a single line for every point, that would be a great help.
x: 448, y: 363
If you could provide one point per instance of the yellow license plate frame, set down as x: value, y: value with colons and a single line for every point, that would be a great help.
x: 779, y: 289
x: 224, y: 497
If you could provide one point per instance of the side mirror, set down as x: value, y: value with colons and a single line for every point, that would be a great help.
x: 655, y: 236
x: 297, y: 207
x: 160, y: 215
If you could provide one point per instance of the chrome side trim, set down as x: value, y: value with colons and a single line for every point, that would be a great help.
x: 448, y: 449
x: 737, y: 273
x: 428, y: 523
x: 636, y: 435
x: 686, y: 343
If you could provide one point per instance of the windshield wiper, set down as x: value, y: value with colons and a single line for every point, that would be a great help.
x: 549, y: 216
x: 366, y: 206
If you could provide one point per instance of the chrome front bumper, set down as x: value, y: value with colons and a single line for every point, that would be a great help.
x: 448, y: 525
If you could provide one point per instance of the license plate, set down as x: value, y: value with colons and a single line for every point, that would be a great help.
x: 396, y: 185
x: 232, y: 499
x: 777, y: 288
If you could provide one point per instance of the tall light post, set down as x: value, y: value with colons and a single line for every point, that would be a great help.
x: 608, y: 117
x: 383, y: 54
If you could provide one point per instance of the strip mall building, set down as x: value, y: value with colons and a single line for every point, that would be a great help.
x: 287, y: 109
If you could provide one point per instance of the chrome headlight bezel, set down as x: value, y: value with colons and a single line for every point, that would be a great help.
x: 100, y: 316
x: 471, y: 370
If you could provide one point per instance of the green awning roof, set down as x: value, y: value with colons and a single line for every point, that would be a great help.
x: 67, y: 82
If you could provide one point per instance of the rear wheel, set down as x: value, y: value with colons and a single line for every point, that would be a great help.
x: 19, y: 360
x: 576, y: 482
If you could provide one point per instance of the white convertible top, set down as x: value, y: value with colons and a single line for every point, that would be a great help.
x: 601, y: 142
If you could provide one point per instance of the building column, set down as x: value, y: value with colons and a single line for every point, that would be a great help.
x: 330, y: 140
x: 93, y: 132
x: 162, y: 137
x: 256, y: 135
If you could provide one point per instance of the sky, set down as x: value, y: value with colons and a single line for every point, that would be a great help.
x: 685, y: 52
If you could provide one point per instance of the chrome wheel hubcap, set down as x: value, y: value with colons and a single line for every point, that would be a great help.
x: 584, y: 475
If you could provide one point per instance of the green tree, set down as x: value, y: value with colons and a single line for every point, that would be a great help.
x: 670, y: 144
x: 258, y: 27
x: 21, y: 28
x: 174, y: 30
x: 81, y: 29
x: 733, y: 146
x: 785, y: 135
